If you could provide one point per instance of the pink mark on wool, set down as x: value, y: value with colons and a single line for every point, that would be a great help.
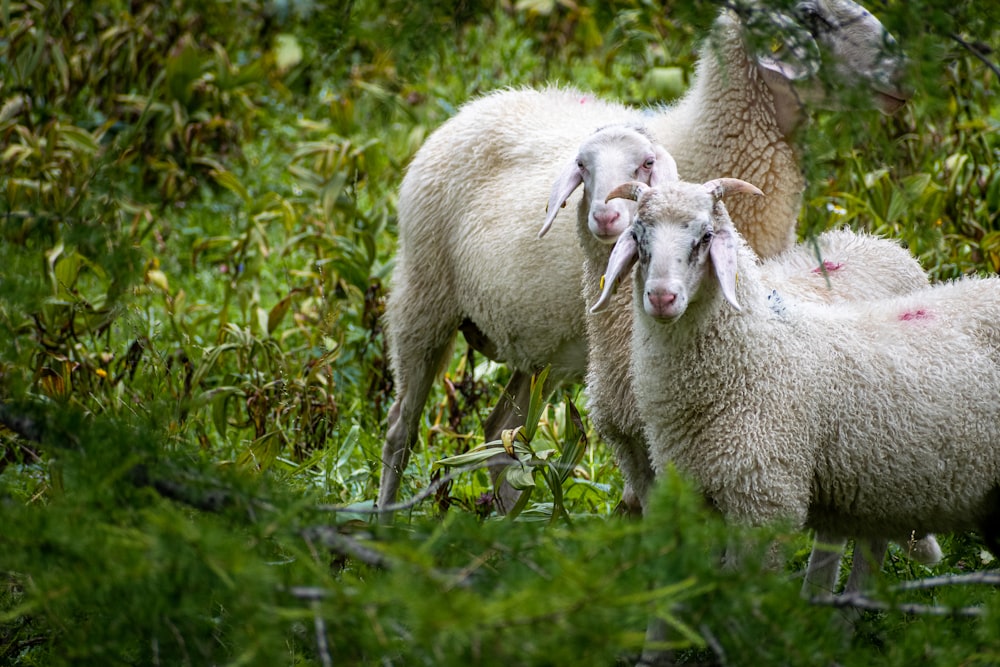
x: 919, y: 314
x: 828, y: 266
x: 583, y: 100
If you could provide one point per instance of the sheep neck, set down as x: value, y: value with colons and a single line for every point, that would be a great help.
x: 728, y: 125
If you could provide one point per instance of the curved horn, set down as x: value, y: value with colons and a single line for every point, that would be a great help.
x: 720, y: 187
x: 631, y: 190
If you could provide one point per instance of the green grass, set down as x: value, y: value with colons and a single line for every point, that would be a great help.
x: 198, y: 227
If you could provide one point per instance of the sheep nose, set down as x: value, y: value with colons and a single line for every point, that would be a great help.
x: 605, y: 218
x: 660, y: 300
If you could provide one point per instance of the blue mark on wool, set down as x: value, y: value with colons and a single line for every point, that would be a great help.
x: 776, y: 303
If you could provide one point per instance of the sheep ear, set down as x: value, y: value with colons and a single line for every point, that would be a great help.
x: 623, y: 256
x: 794, y: 54
x: 723, y: 255
x: 665, y: 169
x: 787, y: 70
x: 568, y: 181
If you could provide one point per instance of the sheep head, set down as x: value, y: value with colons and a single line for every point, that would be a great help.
x: 679, y: 229
x: 610, y: 156
x: 825, y: 45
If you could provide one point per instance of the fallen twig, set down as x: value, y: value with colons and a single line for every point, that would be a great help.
x: 336, y: 541
x: 412, y: 502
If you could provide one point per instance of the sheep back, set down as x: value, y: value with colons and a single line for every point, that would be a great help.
x: 868, y: 418
x: 459, y: 255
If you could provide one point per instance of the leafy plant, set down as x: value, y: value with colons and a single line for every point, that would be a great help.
x: 553, y: 465
x: 198, y: 229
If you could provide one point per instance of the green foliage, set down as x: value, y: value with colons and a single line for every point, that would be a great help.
x: 554, y: 465
x: 198, y: 225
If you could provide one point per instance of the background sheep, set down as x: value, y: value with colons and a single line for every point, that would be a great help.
x: 842, y: 417
x: 854, y: 267
x: 468, y: 258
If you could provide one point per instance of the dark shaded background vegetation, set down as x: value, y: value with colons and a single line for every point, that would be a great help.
x: 197, y: 229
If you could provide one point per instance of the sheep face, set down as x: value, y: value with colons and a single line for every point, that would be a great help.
x: 690, y: 235
x: 857, y: 50
x: 680, y: 230
x: 672, y: 255
x: 610, y: 156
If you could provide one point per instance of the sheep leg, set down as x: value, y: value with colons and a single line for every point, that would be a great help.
x: 637, y: 471
x: 506, y: 414
x: 868, y: 557
x: 824, y: 562
x: 824, y: 565
x: 413, y: 387
x: 656, y: 632
x: 990, y: 526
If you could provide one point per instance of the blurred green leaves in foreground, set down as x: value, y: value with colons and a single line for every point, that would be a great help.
x: 196, y: 232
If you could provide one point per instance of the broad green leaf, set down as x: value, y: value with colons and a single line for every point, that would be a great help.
x: 536, y: 403
x: 219, y: 416
x: 12, y: 108
x: 77, y: 139
x: 347, y: 447
x: 520, y: 476
x: 287, y: 52
x: 277, y: 314
x: 159, y: 279
x: 208, y: 361
x: 262, y: 453
x: 543, y: 7
x: 574, y: 441
x: 554, y: 481
x: 261, y: 319
x: 229, y: 181
x: 521, y: 503
x: 181, y: 71
x: 477, y: 455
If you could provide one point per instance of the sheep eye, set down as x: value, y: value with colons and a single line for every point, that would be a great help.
x: 811, y: 18
x: 648, y: 164
x: 579, y: 165
x: 699, y: 245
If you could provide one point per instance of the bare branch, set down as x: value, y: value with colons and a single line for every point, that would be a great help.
x: 345, y: 545
x: 950, y: 580
x: 322, y: 647
x: 713, y: 643
x: 310, y: 593
x: 977, y: 52
x: 859, y: 601
x: 412, y: 502
x: 332, y: 539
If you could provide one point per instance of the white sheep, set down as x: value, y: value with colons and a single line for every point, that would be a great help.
x: 867, y: 418
x: 854, y: 266
x: 467, y: 256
